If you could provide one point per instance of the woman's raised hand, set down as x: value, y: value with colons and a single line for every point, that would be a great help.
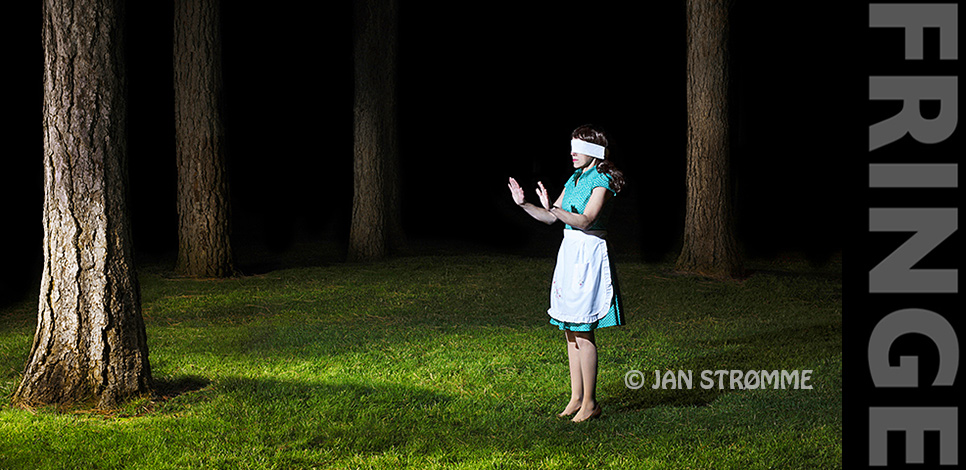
x: 542, y: 194
x: 516, y: 192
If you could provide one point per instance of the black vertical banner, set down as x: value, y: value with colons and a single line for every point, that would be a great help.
x: 901, y: 291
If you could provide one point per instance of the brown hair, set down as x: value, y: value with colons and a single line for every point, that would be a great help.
x: 590, y: 134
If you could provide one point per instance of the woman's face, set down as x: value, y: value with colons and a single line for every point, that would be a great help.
x: 581, y: 160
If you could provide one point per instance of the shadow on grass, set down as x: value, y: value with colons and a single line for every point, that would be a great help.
x: 303, y: 422
x: 168, y: 388
x: 348, y: 417
x: 786, y: 348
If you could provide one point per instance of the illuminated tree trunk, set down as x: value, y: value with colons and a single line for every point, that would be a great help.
x: 90, y: 345
x: 710, y: 248
x: 376, y: 226
x: 204, y: 222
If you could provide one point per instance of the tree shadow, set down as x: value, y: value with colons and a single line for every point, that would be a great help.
x: 302, y: 421
x: 351, y: 417
x: 168, y: 388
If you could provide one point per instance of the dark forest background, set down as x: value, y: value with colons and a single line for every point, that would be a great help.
x: 487, y: 91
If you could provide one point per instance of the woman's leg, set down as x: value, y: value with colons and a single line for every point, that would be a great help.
x: 576, y: 379
x: 587, y: 352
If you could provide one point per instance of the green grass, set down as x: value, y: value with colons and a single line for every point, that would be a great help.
x: 449, y: 362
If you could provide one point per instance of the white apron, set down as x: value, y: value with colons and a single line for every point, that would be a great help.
x: 581, y: 291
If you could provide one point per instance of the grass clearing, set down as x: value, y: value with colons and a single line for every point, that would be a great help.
x: 449, y: 362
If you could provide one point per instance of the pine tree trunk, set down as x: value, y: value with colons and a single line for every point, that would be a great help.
x: 90, y: 344
x: 204, y: 222
x: 375, y: 204
x: 710, y: 248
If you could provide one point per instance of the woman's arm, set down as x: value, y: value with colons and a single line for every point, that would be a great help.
x: 539, y: 213
x: 598, y: 197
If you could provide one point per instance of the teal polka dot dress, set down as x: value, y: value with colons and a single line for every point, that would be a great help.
x: 577, y: 192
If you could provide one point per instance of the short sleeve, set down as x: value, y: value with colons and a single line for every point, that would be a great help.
x: 604, y: 180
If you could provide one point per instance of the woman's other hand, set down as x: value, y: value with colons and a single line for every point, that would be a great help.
x: 542, y: 194
x: 516, y: 192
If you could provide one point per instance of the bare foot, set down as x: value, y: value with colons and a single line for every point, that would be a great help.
x: 571, y: 408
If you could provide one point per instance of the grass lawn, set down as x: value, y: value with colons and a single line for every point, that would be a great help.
x: 449, y: 362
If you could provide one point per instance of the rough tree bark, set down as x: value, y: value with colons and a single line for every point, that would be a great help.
x: 90, y: 344
x: 376, y: 226
x: 204, y: 220
x: 710, y: 247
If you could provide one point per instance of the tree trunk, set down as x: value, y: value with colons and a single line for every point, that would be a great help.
x: 710, y: 248
x: 375, y: 205
x: 90, y: 344
x: 204, y: 222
